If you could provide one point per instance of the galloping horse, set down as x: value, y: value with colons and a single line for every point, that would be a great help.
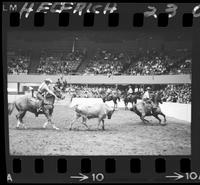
x: 27, y: 103
x: 113, y: 97
x: 132, y: 98
x: 143, y: 109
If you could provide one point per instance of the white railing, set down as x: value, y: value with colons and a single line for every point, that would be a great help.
x: 102, y: 79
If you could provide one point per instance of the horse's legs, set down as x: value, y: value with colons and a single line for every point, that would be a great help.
x: 156, y: 116
x: 19, y: 117
x: 142, y: 118
x: 49, y: 118
x: 54, y: 126
x: 18, y: 123
x: 163, y: 116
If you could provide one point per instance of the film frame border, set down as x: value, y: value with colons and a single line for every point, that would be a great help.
x: 144, y: 160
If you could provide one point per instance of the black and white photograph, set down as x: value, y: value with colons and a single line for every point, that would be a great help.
x: 99, y: 92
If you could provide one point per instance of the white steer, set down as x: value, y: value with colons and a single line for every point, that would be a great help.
x: 98, y: 110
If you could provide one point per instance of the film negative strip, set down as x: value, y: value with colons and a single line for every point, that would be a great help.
x: 100, y: 92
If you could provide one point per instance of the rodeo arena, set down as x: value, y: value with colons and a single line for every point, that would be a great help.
x: 96, y: 93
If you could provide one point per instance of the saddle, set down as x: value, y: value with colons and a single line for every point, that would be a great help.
x: 153, y: 106
x: 36, y: 101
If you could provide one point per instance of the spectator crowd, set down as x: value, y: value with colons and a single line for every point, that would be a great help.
x: 18, y: 64
x: 154, y: 63
x: 60, y: 64
x: 106, y: 63
x: 177, y: 93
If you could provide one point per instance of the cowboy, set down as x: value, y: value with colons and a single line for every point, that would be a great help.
x: 108, y: 92
x: 42, y: 90
x: 130, y: 91
x: 146, y: 97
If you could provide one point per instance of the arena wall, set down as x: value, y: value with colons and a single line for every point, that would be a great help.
x: 102, y: 79
x: 176, y: 110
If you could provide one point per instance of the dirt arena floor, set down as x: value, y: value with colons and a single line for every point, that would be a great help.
x: 124, y: 134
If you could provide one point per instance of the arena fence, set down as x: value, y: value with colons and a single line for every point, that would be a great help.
x: 102, y: 79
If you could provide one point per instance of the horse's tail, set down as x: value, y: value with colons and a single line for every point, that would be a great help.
x: 11, y: 107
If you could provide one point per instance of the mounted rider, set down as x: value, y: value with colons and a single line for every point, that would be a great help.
x: 146, y: 98
x: 43, y: 89
x: 146, y: 95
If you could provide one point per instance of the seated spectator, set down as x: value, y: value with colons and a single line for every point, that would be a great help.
x: 57, y: 64
x: 105, y: 62
x: 177, y: 93
x: 18, y: 64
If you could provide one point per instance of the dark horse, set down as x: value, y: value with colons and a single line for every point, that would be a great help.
x: 27, y: 103
x: 132, y: 98
x: 143, y: 109
x: 113, y: 97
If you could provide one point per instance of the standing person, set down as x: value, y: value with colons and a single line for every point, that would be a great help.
x: 58, y: 83
x: 130, y: 91
x: 136, y: 90
x: 108, y: 92
x: 42, y: 91
x: 32, y: 91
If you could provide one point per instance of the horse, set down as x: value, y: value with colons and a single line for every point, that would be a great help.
x: 27, y: 103
x: 132, y: 98
x: 150, y: 108
x: 113, y: 97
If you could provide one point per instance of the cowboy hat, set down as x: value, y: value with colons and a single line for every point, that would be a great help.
x: 48, y: 80
x: 148, y: 88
